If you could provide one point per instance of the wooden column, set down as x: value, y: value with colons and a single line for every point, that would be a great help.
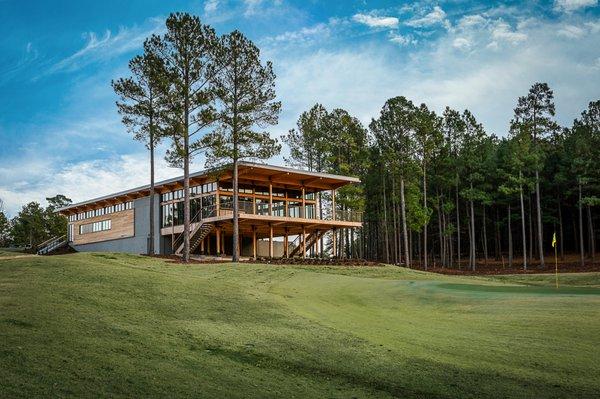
x: 254, y: 242
x: 223, y: 241
x: 317, y: 244
x: 270, y: 199
x: 218, y: 234
x: 270, y: 240
x: 286, y: 244
x: 254, y: 201
x: 202, y: 246
x: 303, y: 215
x: 285, y: 205
x: 333, y: 205
x: 303, y: 242
x: 333, y: 244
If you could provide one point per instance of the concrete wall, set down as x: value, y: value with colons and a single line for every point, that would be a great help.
x: 138, y: 244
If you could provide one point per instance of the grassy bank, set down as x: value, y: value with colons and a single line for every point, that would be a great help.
x: 91, y: 325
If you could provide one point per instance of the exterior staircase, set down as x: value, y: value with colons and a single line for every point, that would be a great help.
x: 198, y: 234
x: 310, y: 241
x: 52, y: 244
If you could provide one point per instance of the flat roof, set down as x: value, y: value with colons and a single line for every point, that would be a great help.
x: 263, y: 174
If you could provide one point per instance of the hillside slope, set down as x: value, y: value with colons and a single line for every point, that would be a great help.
x: 89, y: 325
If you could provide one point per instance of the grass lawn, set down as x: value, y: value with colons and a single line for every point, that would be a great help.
x: 4, y: 252
x: 89, y: 325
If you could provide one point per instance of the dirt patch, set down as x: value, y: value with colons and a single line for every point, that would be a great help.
x: 315, y: 261
x: 570, y: 264
x: 179, y: 259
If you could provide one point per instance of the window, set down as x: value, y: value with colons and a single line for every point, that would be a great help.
x: 95, y: 227
x: 70, y: 233
x: 295, y: 209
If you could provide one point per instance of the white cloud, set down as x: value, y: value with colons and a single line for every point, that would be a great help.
x: 107, y: 45
x: 502, y: 31
x: 593, y: 26
x: 571, y: 32
x: 436, y: 17
x: 402, y: 40
x: 80, y: 180
x: 375, y: 21
x: 211, y: 6
x: 573, y: 5
x: 488, y: 81
x: 469, y: 21
x: 304, y: 35
x: 461, y: 43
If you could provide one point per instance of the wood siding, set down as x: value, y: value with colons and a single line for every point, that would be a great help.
x: 122, y: 226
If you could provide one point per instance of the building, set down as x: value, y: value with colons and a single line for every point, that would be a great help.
x: 279, y: 214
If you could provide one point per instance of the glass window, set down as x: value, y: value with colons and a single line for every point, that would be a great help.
x: 295, y: 209
x: 278, y: 208
x: 95, y: 227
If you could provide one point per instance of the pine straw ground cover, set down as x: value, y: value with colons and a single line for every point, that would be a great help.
x: 113, y: 325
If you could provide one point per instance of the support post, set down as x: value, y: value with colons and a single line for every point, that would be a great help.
x: 218, y: 234
x: 202, y: 246
x: 254, y: 242
x: 270, y: 241
x: 334, y: 244
x: 286, y: 251
x: 303, y: 242
x: 333, y: 206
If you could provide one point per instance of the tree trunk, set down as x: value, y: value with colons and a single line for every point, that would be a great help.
x: 540, y: 230
x: 523, y: 232
x: 530, y: 231
x: 441, y: 245
x: 510, y: 242
x: 426, y: 220
x: 395, y: 235
x: 385, y: 224
x: 485, y: 248
x: 591, y: 233
x: 581, y: 246
x: 473, y: 252
x: 404, y: 230
x: 152, y: 190
x: 236, y: 214
x: 560, y: 228
x: 457, y: 225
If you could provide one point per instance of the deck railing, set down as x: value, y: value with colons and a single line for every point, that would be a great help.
x: 262, y: 209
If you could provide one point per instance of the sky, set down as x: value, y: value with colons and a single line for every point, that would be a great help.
x: 59, y: 127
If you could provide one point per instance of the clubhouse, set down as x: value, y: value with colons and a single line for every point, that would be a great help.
x: 281, y: 214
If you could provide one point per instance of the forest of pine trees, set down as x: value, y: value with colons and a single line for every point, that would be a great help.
x: 438, y: 190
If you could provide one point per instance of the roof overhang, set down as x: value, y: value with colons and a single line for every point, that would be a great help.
x: 249, y: 172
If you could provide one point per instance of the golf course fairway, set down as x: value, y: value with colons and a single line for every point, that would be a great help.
x: 114, y: 325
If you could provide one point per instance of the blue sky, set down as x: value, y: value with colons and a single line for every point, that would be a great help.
x: 60, y: 131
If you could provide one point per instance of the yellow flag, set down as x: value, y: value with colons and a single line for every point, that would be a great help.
x: 554, y: 240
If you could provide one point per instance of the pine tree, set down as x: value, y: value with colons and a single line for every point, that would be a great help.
x: 394, y: 132
x: 428, y: 139
x: 534, y: 114
x: 188, y: 59
x: 245, y: 89
x: 140, y: 108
